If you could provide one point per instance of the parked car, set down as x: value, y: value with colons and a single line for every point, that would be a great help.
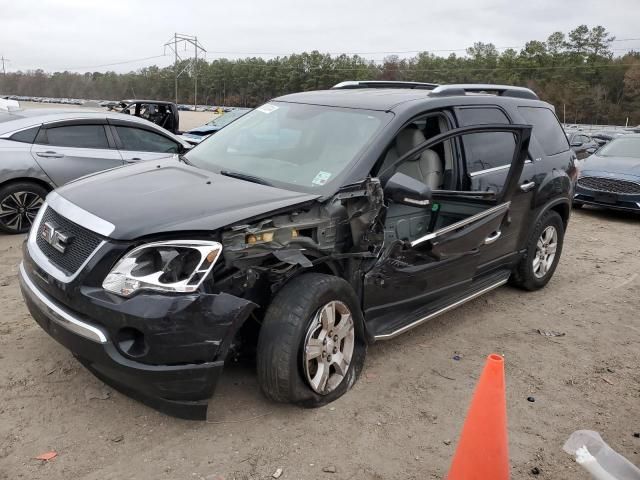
x: 610, y: 178
x: 164, y: 114
x: 317, y: 223
x: 605, y: 136
x: 44, y: 149
x: 196, y: 135
x: 582, y: 144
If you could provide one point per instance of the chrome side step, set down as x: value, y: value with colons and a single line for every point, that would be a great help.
x: 406, y: 328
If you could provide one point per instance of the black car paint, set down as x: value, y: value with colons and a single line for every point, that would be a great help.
x: 148, y: 202
x: 147, y: 192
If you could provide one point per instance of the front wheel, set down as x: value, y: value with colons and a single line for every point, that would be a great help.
x: 542, y: 253
x: 311, y: 348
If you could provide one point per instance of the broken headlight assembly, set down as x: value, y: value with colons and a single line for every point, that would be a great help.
x: 171, y: 266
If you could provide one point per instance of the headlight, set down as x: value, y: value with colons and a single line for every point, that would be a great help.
x: 172, y: 266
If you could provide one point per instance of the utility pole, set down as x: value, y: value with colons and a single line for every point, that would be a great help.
x: 179, y: 38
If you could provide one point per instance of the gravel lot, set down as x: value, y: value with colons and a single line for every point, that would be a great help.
x: 400, y: 421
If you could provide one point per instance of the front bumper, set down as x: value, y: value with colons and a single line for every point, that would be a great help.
x: 623, y: 202
x: 178, y: 389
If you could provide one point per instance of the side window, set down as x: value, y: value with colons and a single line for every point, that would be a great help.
x: 547, y: 129
x: 434, y: 166
x: 139, y: 140
x: 78, y: 136
x: 25, y: 136
x: 484, y: 151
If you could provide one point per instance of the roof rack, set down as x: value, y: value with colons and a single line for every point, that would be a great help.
x: 500, y: 90
x: 443, y: 90
x: 384, y: 84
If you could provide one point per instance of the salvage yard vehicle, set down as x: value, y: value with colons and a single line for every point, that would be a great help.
x: 582, y: 144
x: 610, y: 178
x: 162, y: 113
x: 44, y: 149
x: 309, y: 228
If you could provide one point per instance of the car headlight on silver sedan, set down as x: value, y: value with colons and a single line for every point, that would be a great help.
x: 178, y: 266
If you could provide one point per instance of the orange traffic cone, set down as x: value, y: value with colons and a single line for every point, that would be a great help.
x: 483, y: 452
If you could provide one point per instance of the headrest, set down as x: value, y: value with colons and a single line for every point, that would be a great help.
x: 407, y: 139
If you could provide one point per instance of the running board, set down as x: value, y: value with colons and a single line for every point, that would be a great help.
x: 406, y: 328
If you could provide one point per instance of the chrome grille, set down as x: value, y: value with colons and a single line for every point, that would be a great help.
x: 82, y: 244
x: 610, y: 185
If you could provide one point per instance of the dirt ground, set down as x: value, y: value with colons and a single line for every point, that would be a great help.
x: 400, y: 421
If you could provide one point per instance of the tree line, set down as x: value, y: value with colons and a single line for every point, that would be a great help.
x: 577, y: 72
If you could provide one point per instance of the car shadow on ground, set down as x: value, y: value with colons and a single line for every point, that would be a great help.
x: 608, y: 214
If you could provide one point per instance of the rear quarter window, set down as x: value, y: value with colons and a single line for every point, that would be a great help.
x: 25, y: 136
x: 546, y: 129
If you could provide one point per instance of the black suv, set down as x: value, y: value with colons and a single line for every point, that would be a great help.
x: 312, y: 226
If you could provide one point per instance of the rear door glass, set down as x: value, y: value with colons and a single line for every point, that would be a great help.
x: 484, y: 151
x: 78, y: 136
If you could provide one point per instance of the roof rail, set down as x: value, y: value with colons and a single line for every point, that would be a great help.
x: 500, y: 90
x: 384, y: 84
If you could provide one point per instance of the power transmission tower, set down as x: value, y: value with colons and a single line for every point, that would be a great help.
x: 182, y: 39
x: 3, y: 60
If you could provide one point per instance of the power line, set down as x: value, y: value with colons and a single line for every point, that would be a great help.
x: 183, y: 39
x: 116, y: 63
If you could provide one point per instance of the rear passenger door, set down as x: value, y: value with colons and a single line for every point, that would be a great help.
x: 487, y: 159
x: 71, y: 149
x: 137, y: 143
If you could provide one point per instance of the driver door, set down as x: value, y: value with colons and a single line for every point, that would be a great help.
x: 428, y: 266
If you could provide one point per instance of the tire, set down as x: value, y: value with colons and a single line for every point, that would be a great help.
x: 19, y: 204
x: 284, y: 374
x: 577, y: 205
x: 528, y: 274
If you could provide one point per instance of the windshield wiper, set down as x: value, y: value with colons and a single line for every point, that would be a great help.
x: 244, y: 176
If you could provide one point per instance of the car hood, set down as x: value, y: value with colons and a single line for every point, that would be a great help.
x: 623, y: 167
x: 168, y: 196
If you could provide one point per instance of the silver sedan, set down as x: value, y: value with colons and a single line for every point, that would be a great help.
x: 44, y: 149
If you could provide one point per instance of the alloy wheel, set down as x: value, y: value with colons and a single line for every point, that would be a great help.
x: 328, y: 347
x: 545, y: 251
x: 19, y: 209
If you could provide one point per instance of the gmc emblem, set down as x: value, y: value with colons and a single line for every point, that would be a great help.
x: 54, y: 237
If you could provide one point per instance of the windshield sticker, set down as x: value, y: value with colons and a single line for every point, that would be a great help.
x: 267, y: 108
x: 321, y: 178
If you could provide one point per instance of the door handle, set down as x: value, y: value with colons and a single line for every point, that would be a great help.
x: 133, y: 160
x: 50, y: 154
x: 492, y: 238
x: 527, y: 186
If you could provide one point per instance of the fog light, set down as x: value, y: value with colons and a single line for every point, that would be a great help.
x: 131, y: 342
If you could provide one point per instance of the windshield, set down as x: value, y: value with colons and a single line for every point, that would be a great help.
x: 291, y: 145
x: 621, y: 147
x: 227, y: 118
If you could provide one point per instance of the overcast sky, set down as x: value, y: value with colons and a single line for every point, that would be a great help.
x: 86, y: 35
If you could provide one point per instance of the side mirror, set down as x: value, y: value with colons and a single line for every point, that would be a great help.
x: 406, y: 190
x: 591, y: 150
x: 576, y: 144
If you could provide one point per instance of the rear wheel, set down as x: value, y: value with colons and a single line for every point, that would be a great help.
x: 577, y: 205
x: 19, y: 205
x: 542, y: 253
x: 311, y: 347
